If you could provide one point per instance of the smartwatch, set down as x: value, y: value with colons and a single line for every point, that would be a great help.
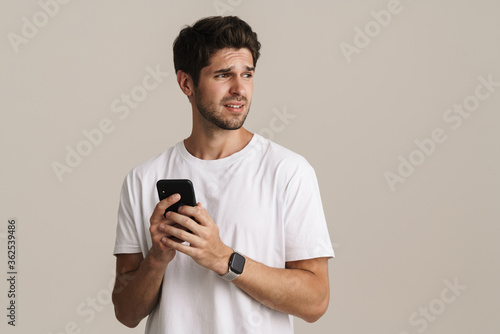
x: 236, y: 265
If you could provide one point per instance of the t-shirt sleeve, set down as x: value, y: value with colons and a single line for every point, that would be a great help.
x: 127, y: 236
x: 306, y: 231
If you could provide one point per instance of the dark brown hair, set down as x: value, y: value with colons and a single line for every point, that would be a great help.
x: 196, y: 44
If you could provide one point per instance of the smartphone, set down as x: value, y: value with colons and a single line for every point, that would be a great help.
x: 183, y: 187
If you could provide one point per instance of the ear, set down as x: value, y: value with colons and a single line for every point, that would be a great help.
x: 185, y: 83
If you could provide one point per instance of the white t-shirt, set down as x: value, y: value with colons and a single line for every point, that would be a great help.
x: 266, y: 202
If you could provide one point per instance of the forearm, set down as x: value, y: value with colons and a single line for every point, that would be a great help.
x: 299, y: 292
x: 136, y: 293
x: 301, y: 289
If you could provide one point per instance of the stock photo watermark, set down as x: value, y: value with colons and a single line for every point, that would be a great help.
x: 379, y: 20
x: 223, y: 7
x: 88, y: 309
x: 120, y: 108
x: 453, y: 117
x: 31, y: 25
x: 12, y: 270
x: 48, y: 9
x: 430, y: 312
x: 277, y: 123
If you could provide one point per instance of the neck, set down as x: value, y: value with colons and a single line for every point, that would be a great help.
x: 216, y: 144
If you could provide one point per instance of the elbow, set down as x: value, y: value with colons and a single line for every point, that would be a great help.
x: 313, y: 316
x: 314, y: 313
x: 123, y: 317
x: 130, y: 324
x: 124, y: 320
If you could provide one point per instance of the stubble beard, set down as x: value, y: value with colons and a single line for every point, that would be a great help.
x: 209, y: 111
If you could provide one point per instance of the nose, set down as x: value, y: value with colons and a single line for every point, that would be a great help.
x: 237, y: 87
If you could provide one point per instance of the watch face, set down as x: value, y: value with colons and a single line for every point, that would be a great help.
x: 237, y: 262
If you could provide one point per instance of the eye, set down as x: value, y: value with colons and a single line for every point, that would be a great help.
x: 247, y: 75
x: 223, y: 75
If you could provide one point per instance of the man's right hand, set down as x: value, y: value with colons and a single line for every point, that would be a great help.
x: 160, y: 254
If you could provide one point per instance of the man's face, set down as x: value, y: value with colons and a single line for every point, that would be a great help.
x: 225, y: 88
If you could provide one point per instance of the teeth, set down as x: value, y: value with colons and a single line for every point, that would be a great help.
x: 234, y: 106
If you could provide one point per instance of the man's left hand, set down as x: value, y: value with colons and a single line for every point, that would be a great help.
x: 205, y: 246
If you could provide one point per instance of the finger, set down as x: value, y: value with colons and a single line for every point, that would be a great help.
x: 162, y: 227
x: 158, y: 225
x: 158, y: 221
x: 159, y: 211
x: 180, y: 234
x: 157, y: 231
x: 183, y: 220
x: 177, y: 246
x: 172, y: 238
x: 197, y: 212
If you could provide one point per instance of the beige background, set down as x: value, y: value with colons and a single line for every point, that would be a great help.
x: 398, y: 250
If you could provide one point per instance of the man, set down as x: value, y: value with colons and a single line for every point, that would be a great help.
x: 259, y: 245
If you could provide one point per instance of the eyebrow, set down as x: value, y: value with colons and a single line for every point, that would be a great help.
x: 229, y: 69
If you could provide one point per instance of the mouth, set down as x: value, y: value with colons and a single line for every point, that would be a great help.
x: 234, y: 107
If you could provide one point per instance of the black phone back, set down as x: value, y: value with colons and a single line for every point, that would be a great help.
x: 184, y: 187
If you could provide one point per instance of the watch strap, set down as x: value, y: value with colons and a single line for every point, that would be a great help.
x: 229, y: 276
